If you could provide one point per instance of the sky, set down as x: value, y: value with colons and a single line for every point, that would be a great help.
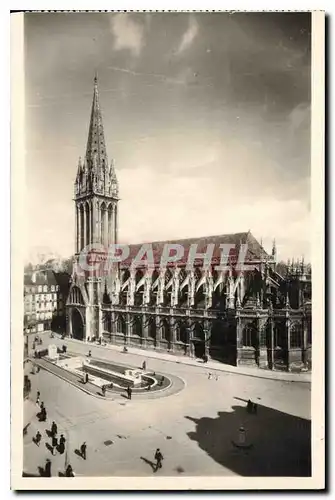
x: 206, y: 115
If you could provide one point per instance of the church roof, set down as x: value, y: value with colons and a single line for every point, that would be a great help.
x: 254, y: 250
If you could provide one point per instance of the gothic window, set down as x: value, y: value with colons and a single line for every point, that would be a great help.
x: 121, y: 325
x: 296, y: 335
x: 152, y: 327
x: 181, y: 333
x: 262, y: 336
x: 137, y: 326
x: 106, y: 298
x: 199, y: 298
x: 249, y: 336
x: 280, y: 338
x: 165, y: 330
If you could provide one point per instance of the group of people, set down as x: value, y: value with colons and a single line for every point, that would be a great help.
x: 57, y: 444
x: 213, y: 376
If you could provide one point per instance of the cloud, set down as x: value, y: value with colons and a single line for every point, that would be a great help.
x: 189, y: 35
x: 184, y: 211
x: 127, y: 34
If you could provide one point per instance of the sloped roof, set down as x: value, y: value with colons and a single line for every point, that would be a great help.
x: 254, y: 251
x: 46, y: 277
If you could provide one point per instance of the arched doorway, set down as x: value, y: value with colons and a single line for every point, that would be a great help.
x: 77, y: 325
x: 199, y: 340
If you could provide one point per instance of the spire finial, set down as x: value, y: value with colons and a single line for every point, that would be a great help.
x: 95, y: 77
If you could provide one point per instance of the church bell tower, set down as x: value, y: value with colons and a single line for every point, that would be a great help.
x: 96, y: 187
x: 96, y: 223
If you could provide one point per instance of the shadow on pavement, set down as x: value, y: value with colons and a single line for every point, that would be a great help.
x: 149, y: 462
x: 281, y: 443
x: 78, y: 453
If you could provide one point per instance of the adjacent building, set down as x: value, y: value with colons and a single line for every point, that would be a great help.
x: 45, y: 293
x: 256, y: 317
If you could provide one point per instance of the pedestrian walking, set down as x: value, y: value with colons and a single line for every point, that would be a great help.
x: 54, y: 428
x: 42, y: 415
x: 61, y: 446
x: 69, y: 471
x: 83, y: 450
x: 89, y: 353
x: 209, y: 375
x: 158, y: 457
x: 129, y: 392
x: 103, y: 390
x: 42, y: 406
x: 216, y: 376
x: 37, y: 438
x: 144, y: 365
x: 47, y: 468
x: 54, y: 444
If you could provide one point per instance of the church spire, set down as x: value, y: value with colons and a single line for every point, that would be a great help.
x: 96, y: 147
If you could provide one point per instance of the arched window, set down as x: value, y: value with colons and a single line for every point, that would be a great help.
x: 199, y: 298
x: 166, y: 333
x: 138, y: 299
x: 280, y: 336
x: 107, y: 322
x: 181, y: 332
x: 296, y: 335
x: 249, y: 336
x: 121, y: 324
x: 137, y: 326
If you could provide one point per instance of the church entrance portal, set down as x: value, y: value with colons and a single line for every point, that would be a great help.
x: 199, y: 349
x: 77, y: 325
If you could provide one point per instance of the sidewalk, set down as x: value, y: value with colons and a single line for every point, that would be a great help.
x: 210, y: 365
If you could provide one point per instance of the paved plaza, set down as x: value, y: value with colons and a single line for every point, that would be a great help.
x: 194, y: 427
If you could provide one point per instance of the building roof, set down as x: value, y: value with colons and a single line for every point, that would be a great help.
x: 46, y: 277
x: 254, y: 250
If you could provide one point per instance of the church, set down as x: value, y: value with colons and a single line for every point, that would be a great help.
x: 255, y: 317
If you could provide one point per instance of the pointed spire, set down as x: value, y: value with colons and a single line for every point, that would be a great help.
x: 96, y: 146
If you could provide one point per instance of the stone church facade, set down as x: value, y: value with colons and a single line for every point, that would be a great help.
x: 254, y: 317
